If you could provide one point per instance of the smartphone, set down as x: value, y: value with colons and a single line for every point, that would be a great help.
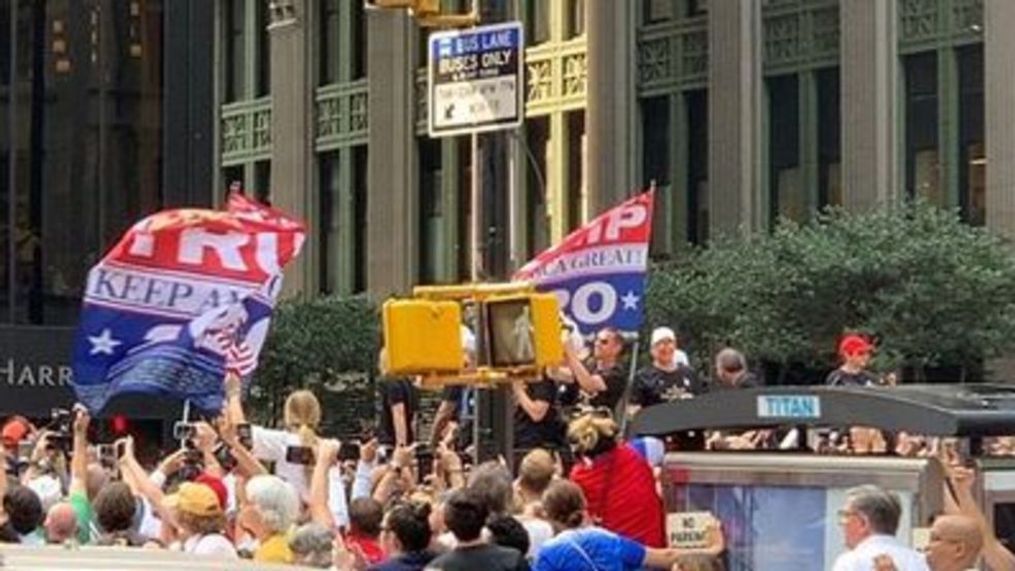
x: 245, y: 435
x: 225, y: 458
x: 184, y: 430
x: 302, y: 455
x: 349, y: 451
x: 424, y: 462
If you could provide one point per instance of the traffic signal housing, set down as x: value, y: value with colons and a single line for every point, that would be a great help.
x: 422, y: 337
x: 518, y: 332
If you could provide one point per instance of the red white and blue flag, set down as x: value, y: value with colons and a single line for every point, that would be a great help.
x: 598, y: 271
x: 185, y: 296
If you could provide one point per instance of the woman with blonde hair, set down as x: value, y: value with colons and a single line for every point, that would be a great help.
x: 301, y: 419
x: 617, y: 482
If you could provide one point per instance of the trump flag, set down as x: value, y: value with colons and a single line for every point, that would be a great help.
x: 183, y: 297
x: 598, y: 271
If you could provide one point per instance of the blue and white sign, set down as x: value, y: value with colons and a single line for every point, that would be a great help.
x: 475, y: 79
x: 789, y: 406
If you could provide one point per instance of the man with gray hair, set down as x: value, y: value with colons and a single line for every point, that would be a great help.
x: 869, y: 520
x: 731, y: 371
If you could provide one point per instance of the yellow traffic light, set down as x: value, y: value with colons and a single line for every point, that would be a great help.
x: 426, y: 8
x: 428, y: 13
x: 422, y: 336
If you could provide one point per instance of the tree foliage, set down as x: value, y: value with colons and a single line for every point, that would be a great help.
x: 328, y: 344
x: 933, y: 290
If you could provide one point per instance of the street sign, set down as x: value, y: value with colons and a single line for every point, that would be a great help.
x: 475, y: 79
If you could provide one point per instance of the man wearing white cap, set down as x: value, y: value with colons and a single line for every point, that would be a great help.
x: 668, y: 378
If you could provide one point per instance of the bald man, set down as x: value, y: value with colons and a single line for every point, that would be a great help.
x: 61, y: 523
x: 955, y: 543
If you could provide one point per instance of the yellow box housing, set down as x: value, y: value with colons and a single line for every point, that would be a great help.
x: 548, y: 326
x: 422, y: 336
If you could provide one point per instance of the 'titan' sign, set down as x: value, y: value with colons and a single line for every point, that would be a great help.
x: 789, y: 406
x: 475, y: 79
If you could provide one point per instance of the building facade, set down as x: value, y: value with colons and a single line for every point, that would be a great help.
x: 106, y: 115
x: 740, y: 111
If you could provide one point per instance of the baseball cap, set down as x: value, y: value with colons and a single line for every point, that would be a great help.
x: 663, y: 334
x: 195, y: 499
x: 854, y: 345
x: 14, y: 431
x: 216, y: 485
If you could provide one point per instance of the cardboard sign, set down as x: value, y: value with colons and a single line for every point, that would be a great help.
x: 688, y: 530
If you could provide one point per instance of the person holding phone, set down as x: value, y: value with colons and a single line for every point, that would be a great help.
x: 292, y: 449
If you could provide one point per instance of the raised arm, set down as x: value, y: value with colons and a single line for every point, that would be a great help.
x: 79, y: 453
x: 587, y: 381
x: 234, y: 399
x: 320, y: 512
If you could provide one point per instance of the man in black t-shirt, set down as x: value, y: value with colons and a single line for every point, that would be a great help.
x: 537, y: 420
x: 602, y: 381
x: 666, y: 379
x: 855, y: 352
x: 399, y: 402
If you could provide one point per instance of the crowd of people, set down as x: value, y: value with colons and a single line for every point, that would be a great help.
x: 577, y: 495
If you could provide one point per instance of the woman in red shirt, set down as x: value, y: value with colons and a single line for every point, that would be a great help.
x: 617, y: 482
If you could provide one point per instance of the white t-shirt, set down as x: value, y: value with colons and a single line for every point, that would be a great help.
x: 540, y: 531
x: 861, y: 558
x: 214, y: 544
x: 270, y: 445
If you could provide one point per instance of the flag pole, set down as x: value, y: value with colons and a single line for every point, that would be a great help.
x: 634, y: 352
x: 630, y: 383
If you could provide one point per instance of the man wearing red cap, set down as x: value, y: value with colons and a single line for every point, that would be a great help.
x: 855, y: 352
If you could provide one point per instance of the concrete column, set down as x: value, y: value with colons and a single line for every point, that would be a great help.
x: 999, y: 73
x: 612, y: 102
x: 392, y: 201
x: 734, y: 116
x: 870, y: 105
x: 291, y: 126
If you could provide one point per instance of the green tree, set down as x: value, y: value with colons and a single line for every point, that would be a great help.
x: 932, y: 289
x: 328, y: 345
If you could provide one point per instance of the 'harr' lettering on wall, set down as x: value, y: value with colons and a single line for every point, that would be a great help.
x: 17, y: 374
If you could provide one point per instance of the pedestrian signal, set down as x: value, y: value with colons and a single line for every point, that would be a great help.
x: 524, y: 331
x: 422, y: 336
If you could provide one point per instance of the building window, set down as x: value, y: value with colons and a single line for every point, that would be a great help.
x: 328, y: 242
x: 537, y: 21
x: 235, y: 47
x: 330, y: 20
x: 697, y: 166
x: 655, y: 121
x: 972, y: 155
x: 263, y: 61
x: 576, y: 169
x: 431, y: 246
x: 658, y: 10
x: 262, y: 181
x: 537, y: 136
x: 233, y: 175
x: 359, y: 41
x: 86, y: 152
x: 922, y: 160
x: 829, y: 138
x: 360, y: 222
x: 788, y: 197
x: 576, y: 18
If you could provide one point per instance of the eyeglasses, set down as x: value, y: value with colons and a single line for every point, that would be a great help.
x: 603, y: 340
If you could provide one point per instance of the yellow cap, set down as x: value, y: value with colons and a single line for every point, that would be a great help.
x: 195, y: 499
